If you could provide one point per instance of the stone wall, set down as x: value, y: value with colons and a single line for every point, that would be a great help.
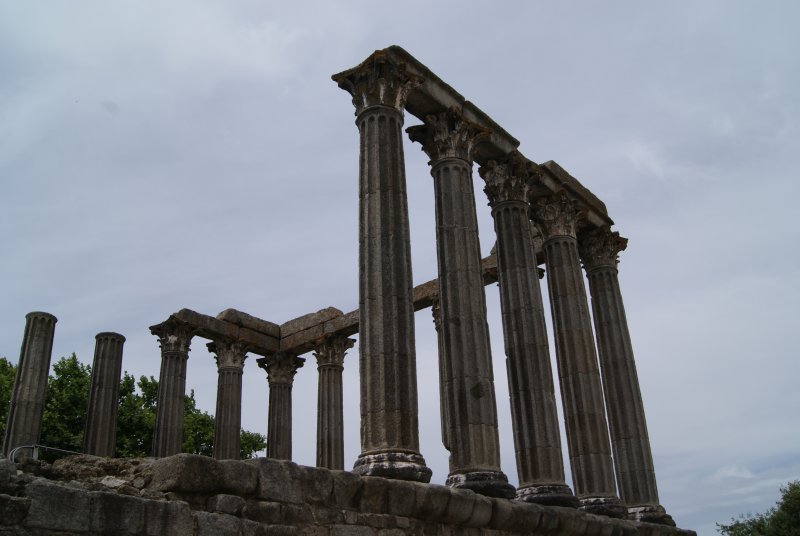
x: 195, y: 495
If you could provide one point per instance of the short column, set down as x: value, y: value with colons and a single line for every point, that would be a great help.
x: 387, y: 360
x: 537, y: 439
x: 100, y: 433
x: 174, y: 337
x: 230, y: 356
x: 633, y: 459
x: 330, y: 415
x: 448, y: 139
x: 281, y: 368
x: 26, y: 407
x: 557, y: 218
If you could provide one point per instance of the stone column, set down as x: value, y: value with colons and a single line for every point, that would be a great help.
x: 230, y: 356
x: 26, y: 407
x: 387, y: 360
x: 534, y: 416
x: 100, y: 433
x: 633, y: 459
x: 471, y: 412
x: 436, y: 312
x: 330, y: 415
x: 174, y: 337
x: 281, y: 368
x: 557, y: 218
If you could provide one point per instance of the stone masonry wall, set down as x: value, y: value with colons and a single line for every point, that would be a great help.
x: 198, y: 496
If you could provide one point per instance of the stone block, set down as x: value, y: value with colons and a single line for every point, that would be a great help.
x: 57, y: 507
x: 373, y: 494
x: 351, y: 530
x: 263, y: 511
x: 216, y: 524
x: 346, y: 324
x: 305, y: 322
x: 168, y: 517
x: 8, y: 476
x: 401, y: 498
x: 459, y: 507
x: 116, y: 514
x: 13, y: 509
x: 431, y: 501
x: 278, y: 480
x: 346, y: 488
x: 238, y: 477
x: 298, y: 513
x: 244, y: 320
x: 190, y: 473
x: 317, y: 484
x: 481, y: 512
x: 225, y: 504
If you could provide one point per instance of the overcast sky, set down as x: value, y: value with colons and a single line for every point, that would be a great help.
x: 155, y: 156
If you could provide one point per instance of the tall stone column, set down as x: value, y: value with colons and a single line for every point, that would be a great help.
x: 448, y: 140
x: 387, y: 360
x: 100, y: 433
x: 230, y: 356
x: 557, y: 218
x: 436, y: 312
x: 534, y: 416
x: 281, y: 368
x: 330, y: 415
x: 174, y: 337
x: 633, y: 459
x: 26, y: 407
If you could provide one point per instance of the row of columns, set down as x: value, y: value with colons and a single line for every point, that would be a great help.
x: 26, y: 406
x: 379, y: 88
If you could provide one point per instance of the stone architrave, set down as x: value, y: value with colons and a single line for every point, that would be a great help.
x: 26, y: 406
x: 557, y: 218
x: 534, y: 415
x: 174, y: 337
x: 387, y: 354
x: 633, y: 458
x: 281, y: 368
x: 448, y: 139
x: 100, y: 433
x: 230, y: 356
x: 330, y: 414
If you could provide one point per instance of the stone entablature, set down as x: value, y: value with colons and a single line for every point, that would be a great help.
x: 190, y: 495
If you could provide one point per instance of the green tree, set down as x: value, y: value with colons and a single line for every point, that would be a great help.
x: 781, y: 520
x: 7, y: 374
x: 65, y: 404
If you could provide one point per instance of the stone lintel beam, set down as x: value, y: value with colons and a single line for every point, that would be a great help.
x: 244, y: 320
x: 555, y: 178
x: 310, y: 320
x: 212, y: 328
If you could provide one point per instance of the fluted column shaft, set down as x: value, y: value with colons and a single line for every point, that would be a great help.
x: 174, y: 338
x: 436, y: 312
x: 230, y: 357
x: 534, y: 416
x: 330, y: 415
x: 629, y: 438
x: 100, y: 433
x: 469, y: 385
x: 26, y: 407
x: 387, y: 360
x: 581, y: 388
x: 281, y: 368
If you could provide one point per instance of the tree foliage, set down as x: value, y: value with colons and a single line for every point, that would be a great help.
x: 781, y: 520
x: 67, y: 401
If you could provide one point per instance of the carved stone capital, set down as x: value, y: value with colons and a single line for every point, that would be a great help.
x: 447, y: 135
x: 436, y: 312
x: 281, y: 367
x: 600, y: 248
x: 556, y: 215
x: 173, y: 335
x: 508, y: 179
x: 331, y: 351
x: 378, y: 81
x: 228, y: 353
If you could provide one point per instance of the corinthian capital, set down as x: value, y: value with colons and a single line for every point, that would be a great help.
x: 600, y: 248
x: 281, y: 367
x: 228, y: 353
x: 508, y: 179
x: 447, y: 135
x: 378, y: 81
x: 173, y: 335
x: 556, y: 215
x: 331, y: 351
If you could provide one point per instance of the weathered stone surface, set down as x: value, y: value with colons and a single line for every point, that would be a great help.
x: 226, y: 504
x: 57, y: 507
x: 208, y: 524
x: 244, y: 320
x: 238, y: 477
x: 346, y: 489
x: 309, y: 320
x: 264, y: 511
x: 13, y: 509
x: 185, y: 472
x: 278, y: 481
